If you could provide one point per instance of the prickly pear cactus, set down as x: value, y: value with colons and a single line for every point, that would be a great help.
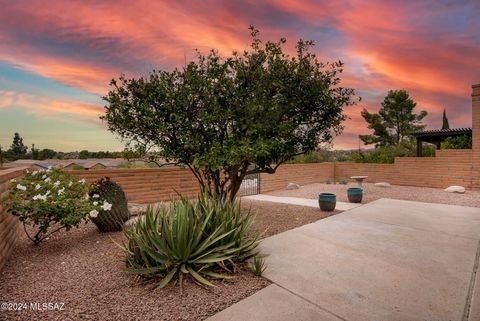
x: 110, y: 220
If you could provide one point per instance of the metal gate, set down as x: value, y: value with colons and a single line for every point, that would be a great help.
x: 250, y: 185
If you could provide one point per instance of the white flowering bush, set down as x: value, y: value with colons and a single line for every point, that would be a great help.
x: 51, y: 200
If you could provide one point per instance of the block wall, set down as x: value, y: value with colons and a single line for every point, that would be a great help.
x: 476, y: 136
x: 297, y: 173
x: 148, y: 185
x: 9, y: 224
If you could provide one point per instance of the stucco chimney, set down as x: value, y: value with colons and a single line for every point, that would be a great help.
x: 476, y: 136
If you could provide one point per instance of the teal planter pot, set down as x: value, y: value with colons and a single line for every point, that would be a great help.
x: 327, y: 201
x: 355, y: 194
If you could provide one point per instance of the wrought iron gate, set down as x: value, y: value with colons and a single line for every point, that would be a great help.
x: 250, y: 185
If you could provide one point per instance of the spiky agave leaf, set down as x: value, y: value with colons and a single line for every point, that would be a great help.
x: 189, y: 237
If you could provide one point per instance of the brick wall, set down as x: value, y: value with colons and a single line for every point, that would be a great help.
x: 296, y: 173
x: 476, y: 135
x: 9, y: 224
x: 449, y: 167
x: 147, y: 185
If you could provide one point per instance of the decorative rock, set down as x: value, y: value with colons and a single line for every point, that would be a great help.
x: 382, y: 184
x: 291, y: 186
x: 455, y: 189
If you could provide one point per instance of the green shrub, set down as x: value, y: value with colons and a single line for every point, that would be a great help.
x: 195, y: 238
x: 114, y: 209
x: 50, y: 199
x: 258, y: 265
x: 458, y: 142
x: 388, y: 154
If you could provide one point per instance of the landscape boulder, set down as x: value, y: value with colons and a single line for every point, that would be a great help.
x: 382, y: 184
x: 291, y: 186
x: 455, y: 189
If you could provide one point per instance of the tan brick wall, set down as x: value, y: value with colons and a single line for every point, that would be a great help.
x: 148, y: 185
x: 9, y: 224
x: 296, y: 173
x: 449, y: 167
x: 476, y: 135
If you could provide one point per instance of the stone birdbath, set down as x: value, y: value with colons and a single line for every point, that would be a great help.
x: 359, y: 179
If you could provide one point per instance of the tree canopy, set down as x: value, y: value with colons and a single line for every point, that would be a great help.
x: 225, y: 118
x: 395, y: 120
x: 18, y: 149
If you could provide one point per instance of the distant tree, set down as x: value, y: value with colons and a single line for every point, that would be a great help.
x: 18, y: 149
x: 395, y: 120
x: 34, y: 152
x: 1, y: 156
x: 46, y: 154
x: 225, y: 118
x: 458, y: 142
x: 445, y: 124
x: 84, y: 154
x: 387, y: 154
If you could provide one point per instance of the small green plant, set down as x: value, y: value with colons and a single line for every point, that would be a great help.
x: 49, y: 199
x: 196, y: 238
x: 343, y: 182
x: 328, y: 181
x: 258, y: 265
x: 114, y: 209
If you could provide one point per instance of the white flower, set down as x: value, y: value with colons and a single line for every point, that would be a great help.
x: 95, y: 203
x: 87, y: 197
x: 49, y: 168
x: 60, y: 191
x: 70, y: 184
x: 44, y: 176
x: 21, y: 187
x: 13, y: 180
x: 47, y: 193
x: 82, y: 181
x: 27, y: 171
x: 34, y: 172
x: 56, y: 183
x: 93, y: 213
x: 48, y: 179
x: 40, y: 197
x: 106, y: 206
x: 37, y: 187
x: 95, y: 196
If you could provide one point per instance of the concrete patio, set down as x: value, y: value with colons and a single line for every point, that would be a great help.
x: 386, y: 260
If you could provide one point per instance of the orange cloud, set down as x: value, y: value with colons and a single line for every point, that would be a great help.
x: 44, y: 106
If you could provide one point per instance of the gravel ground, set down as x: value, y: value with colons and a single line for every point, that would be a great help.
x: 83, y: 270
x: 371, y: 193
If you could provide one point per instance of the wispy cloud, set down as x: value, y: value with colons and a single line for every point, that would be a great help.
x: 45, y: 106
x: 428, y: 47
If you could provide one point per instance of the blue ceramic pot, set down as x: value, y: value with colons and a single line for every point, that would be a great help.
x: 355, y: 194
x: 327, y: 201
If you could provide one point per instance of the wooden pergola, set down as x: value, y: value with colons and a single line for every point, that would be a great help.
x: 437, y: 136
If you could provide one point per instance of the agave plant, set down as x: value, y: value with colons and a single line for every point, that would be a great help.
x: 198, y: 238
x: 258, y: 265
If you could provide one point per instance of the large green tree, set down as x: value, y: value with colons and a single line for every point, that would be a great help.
x: 18, y: 149
x: 225, y: 118
x: 395, y: 120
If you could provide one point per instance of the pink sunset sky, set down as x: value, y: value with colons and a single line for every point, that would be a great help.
x: 57, y: 57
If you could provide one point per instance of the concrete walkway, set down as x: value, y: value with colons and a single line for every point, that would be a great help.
x: 341, y: 206
x: 386, y: 260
